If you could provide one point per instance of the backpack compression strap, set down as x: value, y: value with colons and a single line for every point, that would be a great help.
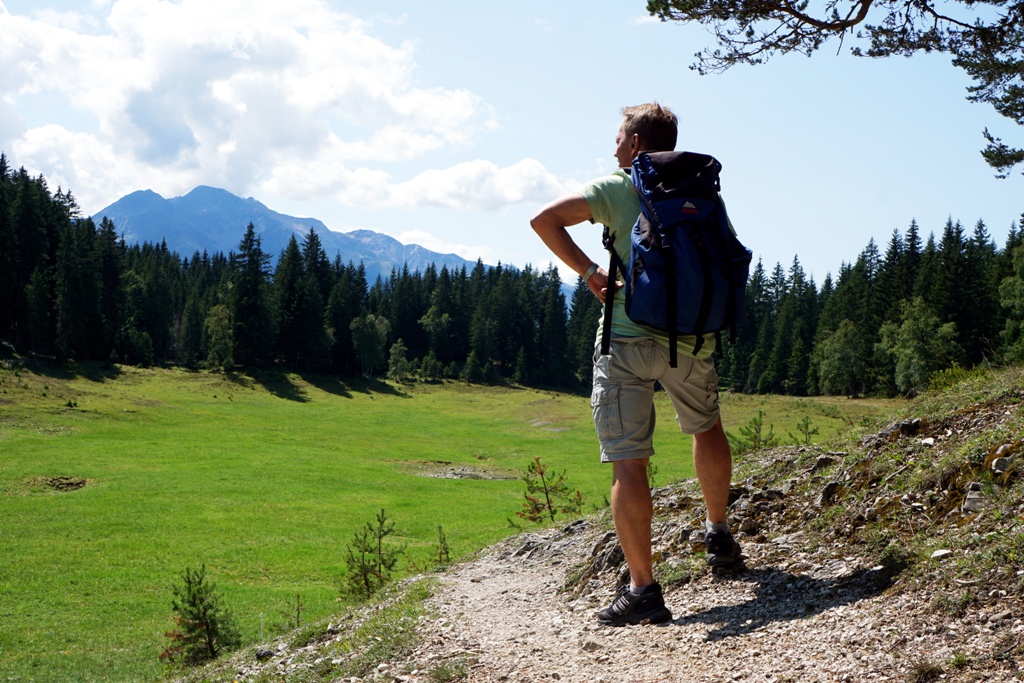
x: 615, y: 263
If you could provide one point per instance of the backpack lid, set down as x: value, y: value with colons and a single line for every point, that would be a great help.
x: 663, y: 175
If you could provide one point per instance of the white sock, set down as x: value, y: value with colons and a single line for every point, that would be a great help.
x: 721, y: 527
x: 636, y: 590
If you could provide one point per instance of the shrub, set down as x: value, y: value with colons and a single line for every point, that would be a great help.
x: 207, y: 628
x: 805, y: 431
x: 754, y: 436
x: 444, y: 554
x: 370, y: 559
x: 547, y: 494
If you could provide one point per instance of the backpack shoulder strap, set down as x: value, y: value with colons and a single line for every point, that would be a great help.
x: 615, y: 264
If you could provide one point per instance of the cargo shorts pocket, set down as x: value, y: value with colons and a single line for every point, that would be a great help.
x: 604, y: 402
x: 711, y: 386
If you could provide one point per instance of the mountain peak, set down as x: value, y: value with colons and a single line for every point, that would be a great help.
x: 214, y: 220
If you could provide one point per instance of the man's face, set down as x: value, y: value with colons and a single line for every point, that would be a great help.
x: 625, y: 147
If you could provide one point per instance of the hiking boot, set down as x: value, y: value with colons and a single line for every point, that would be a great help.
x: 723, y: 550
x: 626, y: 608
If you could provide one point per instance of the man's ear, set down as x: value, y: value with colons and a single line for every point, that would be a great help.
x: 634, y: 144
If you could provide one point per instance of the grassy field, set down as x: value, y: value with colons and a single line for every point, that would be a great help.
x: 264, y: 480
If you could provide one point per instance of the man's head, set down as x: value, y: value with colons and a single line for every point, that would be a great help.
x: 645, y: 128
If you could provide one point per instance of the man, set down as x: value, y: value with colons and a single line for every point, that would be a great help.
x: 623, y: 395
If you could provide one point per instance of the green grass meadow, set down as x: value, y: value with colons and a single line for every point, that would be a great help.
x: 264, y: 480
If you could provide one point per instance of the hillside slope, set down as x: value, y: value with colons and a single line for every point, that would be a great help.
x: 895, y: 556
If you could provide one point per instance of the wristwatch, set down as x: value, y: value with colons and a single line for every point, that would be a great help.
x: 589, y: 273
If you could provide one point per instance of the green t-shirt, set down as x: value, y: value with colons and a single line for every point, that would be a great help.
x: 613, y: 203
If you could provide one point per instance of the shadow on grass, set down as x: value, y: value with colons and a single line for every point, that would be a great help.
x: 93, y: 371
x: 279, y: 384
x: 282, y: 384
x: 781, y: 596
x: 371, y: 385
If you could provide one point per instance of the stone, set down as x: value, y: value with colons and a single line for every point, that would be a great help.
x: 599, y: 546
x: 828, y: 494
x: 941, y: 554
x: 1001, y: 616
x: 822, y: 463
x: 929, y: 441
x: 976, y: 501
x: 910, y: 427
x: 1000, y: 465
x: 591, y: 646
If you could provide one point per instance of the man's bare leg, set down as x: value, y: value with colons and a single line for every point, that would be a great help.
x: 712, y: 460
x: 632, y: 510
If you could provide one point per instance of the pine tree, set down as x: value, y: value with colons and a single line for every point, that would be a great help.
x: 251, y: 312
x: 439, y: 320
x: 345, y: 304
x: 581, y: 332
x: 734, y: 367
x: 109, y: 257
x: 772, y: 345
x: 77, y: 306
x: 39, y: 332
x: 552, y: 344
x: 981, y: 319
x: 911, y: 260
x: 9, y: 266
x: 289, y: 293
x: 1011, y: 298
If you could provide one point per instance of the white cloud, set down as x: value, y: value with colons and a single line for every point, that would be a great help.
x: 291, y: 96
x: 478, y: 185
x: 473, y: 185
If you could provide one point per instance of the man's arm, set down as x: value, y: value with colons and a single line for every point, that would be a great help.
x: 550, y: 224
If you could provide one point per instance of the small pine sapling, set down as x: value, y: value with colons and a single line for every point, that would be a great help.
x: 754, y: 435
x: 299, y: 608
x: 204, y: 628
x: 547, y: 494
x: 805, y: 431
x: 444, y: 554
x: 370, y: 558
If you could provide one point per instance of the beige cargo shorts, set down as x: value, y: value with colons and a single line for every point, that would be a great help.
x: 623, y: 395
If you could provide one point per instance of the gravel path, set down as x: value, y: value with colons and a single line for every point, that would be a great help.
x: 508, y: 618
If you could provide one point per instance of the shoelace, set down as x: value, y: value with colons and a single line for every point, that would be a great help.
x: 621, y: 603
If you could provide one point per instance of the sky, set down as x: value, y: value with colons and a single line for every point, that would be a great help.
x: 448, y: 124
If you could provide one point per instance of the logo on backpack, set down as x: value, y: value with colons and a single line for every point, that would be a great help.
x: 687, y: 272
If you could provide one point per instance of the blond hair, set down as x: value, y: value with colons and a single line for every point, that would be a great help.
x: 655, y: 125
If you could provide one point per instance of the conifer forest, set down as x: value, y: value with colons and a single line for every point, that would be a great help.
x: 889, y: 319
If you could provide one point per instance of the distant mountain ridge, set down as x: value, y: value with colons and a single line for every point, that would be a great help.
x: 211, y: 219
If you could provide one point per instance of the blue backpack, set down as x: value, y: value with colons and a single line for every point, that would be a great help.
x: 687, y: 272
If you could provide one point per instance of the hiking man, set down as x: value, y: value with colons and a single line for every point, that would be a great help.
x: 623, y: 392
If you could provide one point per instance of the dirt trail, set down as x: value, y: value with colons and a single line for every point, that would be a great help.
x: 506, y: 617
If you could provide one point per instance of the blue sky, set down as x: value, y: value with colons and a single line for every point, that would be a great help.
x: 449, y: 123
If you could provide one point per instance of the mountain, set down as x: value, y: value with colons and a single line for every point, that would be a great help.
x: 210, y: 219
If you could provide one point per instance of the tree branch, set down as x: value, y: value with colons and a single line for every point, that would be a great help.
x: 832, y: 26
